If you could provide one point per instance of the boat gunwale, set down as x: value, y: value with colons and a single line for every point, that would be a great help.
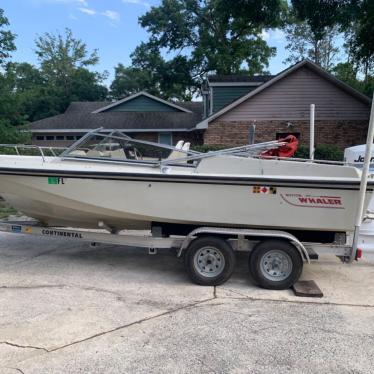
x: 298, y: 182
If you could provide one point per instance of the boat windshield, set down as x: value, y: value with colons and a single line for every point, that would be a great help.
x: 120, y: 147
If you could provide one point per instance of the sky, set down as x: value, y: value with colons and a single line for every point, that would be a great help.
x: 111, y: 26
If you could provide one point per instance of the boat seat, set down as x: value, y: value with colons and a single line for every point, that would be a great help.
x: 118, y: 153
x: 78, y: 152
x: 175, y: 154
x: 94, y: 153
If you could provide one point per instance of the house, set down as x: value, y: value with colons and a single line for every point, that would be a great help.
x: 280, y: 105
x: 235, y: 110
x: 141, y: 116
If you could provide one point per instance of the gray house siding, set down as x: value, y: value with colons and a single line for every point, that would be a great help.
x: 142, y: 104
x: 289, y: 100
x: 227, y: 94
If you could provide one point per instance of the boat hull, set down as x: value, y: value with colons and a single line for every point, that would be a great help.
x: 128, y: 203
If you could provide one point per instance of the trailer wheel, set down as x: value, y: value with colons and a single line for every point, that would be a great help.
x: 275, y: 264
x: 209, y: 261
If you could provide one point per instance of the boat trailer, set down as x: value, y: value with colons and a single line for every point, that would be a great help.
x: 209, y: 252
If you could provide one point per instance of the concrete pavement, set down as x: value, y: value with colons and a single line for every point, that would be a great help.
x: 69, y: 308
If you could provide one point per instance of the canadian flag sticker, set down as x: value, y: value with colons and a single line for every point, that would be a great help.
x: 264, y: 190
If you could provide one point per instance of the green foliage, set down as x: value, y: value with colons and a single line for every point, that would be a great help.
x: 362, y: 42
x: 13, y: 135
x: 322, y: 152
x: 6, y: 211
x: 209, y: 148
x: 303, y: 43
x: 129, y: 80
x: 204, y: 36
x: 320, y: 15
x: 355, y: 18
x: 348, y: 73
x: 60, y: 55
x: 6, y: 39
x: 169, y: 79
x: 165, y: 79
x: 63, y: 66
x: 29, y: 93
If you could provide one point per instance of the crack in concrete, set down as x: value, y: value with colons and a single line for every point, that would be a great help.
x: 24, y: 346
x: 133, y: 323
x: 206, y: 365
x: 246, y: 297
x: 41, y: 286
x: 32, y: 287
x: 19, y: 370
x: 33, y: 257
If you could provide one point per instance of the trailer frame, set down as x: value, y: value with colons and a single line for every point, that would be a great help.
x: 243, y: 240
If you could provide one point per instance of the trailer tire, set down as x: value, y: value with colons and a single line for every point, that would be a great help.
x: 209, y: 261
x: 275, y: 264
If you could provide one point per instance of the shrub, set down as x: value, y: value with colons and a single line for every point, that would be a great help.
x: 322, y: 152
x: 208, y: 148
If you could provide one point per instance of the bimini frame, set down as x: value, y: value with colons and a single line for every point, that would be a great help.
x: 249, y: 150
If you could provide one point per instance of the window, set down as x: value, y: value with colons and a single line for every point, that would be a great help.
x: 165, y: 138
x: 70, y: 137
x: 78, y: 137
x: 60, y: 137
x: 50, y: 137
x: 40, y: 137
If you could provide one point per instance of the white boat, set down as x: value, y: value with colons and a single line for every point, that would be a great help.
x: 124, y: 183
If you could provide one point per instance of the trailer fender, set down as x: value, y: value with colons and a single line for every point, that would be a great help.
x: 222, y: 231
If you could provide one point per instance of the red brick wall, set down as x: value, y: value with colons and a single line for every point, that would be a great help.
x: 194, y: 137
x: 340, y: 133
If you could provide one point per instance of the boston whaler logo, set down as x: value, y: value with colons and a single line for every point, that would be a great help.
x: 312, y: 201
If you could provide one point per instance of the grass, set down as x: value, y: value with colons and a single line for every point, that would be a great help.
x: 6, y: 211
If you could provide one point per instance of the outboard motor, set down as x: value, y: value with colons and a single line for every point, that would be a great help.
x: 354, y: 156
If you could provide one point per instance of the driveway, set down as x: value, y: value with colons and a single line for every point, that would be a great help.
x: 69, y: 308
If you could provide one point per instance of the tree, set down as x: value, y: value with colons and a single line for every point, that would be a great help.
x: 129, y: 80
x: 348, y: 72
x: 190, y: 38
x: 320, y: 15
x: 303, y: 43
x: 352, y: 17
x: 364, y: 32
x: 358, y: 38
x: 10, y: 117
x: 64, y: 62
x: 170, y: 79
x: 6, y: 39
x: 23, y: 76
x: 87, y: 85
x: 9, y: 113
